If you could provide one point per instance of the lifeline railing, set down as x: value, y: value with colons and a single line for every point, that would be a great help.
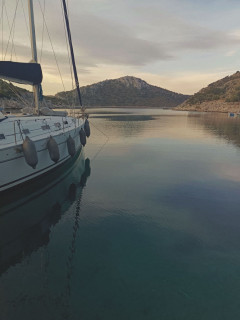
x: 49, y: 128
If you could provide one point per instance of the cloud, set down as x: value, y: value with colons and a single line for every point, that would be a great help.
x: 231, y: 53
x: 175, y: 32
x: 113, y: 38
x: 203, y: 40
x: 151, y: 34
x: 98, y: 40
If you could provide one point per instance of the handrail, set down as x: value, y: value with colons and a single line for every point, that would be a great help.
x: 15, y: 137
x: 65, y: 128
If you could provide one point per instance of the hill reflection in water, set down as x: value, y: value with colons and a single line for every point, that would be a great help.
x: 219, y: 124
x: 156, y: 234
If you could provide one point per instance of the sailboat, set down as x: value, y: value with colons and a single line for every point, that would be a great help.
x: 32, y: 145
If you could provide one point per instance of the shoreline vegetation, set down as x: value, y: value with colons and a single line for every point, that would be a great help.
x: 211, y: 106
x: 123, y: 92
x: 220, y: 96
x: 129, y: 92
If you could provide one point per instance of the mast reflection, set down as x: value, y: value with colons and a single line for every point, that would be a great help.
x: 26, y: 221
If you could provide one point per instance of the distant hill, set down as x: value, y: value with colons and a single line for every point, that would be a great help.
x: 13, y: 97
x: 222, y: 95
x: 9, y: 91
x: 125, y: 91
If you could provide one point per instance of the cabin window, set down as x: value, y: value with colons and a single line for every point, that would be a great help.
x: 57, y: 125
x: 45, y: 127
x: 25, y: 131
x: 2, y: 136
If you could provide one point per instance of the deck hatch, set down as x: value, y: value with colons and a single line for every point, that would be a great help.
x: 45, y: 127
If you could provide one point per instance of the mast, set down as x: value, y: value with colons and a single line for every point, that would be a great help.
x: 71, y: 51
x: 34, y: 50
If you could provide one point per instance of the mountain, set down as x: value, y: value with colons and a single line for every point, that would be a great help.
x: 13, y: 95
x: 220, y: 96
x: 125, y: 91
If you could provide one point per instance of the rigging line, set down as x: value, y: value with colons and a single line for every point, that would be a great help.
x: 44, y: 5
x: 13, y: 34
x: 28, y: 32
x: 72, y: 53
x: 69, y: 61
x: 17, y: 94
x: 74, y: 94
x: 66, y: 41
x: 73, y: 97
x: 3, y: 1
x: 4, y: 6
x: 55, y: 57
x: 11, y: 27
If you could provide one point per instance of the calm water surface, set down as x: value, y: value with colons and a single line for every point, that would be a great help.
x: 146, y: 225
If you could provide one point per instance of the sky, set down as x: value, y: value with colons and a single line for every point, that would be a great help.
x: 179, y: 45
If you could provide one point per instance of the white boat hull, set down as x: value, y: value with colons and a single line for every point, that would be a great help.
x: 14, y: 168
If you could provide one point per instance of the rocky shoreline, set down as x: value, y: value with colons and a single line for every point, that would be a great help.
x: 211, y: 106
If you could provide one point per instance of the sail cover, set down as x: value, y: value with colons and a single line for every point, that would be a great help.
x: 25, y: 73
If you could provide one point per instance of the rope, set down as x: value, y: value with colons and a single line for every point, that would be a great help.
x: 13, y: 33
x: 103, y: 145
x: 55, y: 57
x: 28, y: 32
x: 99, y: 130
x: 3, y: 1
x: 14, y: 17
x: 100, y: 150
x: 44, y: 4
x: 73, y: 244
x: 4, y: 5
x: 17, y: 94
x: 72, y: 247
x: 69, y: 60
x: 74, y: 99
x: 72, y: 52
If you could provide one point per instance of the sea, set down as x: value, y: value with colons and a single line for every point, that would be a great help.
x: 143, y: 224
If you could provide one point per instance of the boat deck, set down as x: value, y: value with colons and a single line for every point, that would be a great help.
x: 14, y: 129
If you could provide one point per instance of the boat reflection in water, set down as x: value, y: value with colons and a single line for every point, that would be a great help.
x: 25, y: 221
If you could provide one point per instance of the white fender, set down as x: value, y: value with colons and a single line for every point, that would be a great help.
x: 83, y: 138
x: 30, y: 152
x: 71, y: 146
x: 53, y: 149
